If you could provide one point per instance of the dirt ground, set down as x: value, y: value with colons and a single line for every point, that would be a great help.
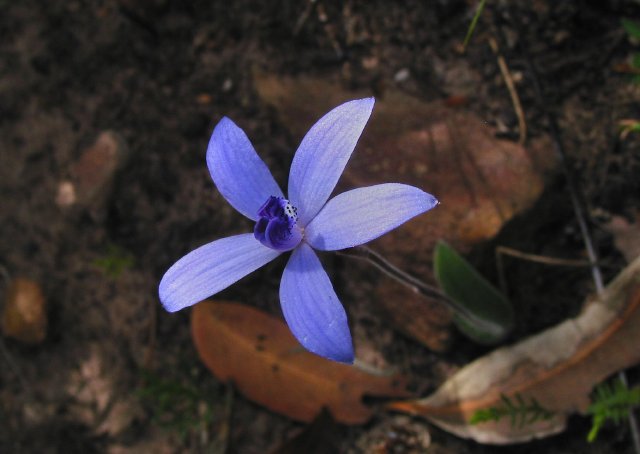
x: 149, y: 79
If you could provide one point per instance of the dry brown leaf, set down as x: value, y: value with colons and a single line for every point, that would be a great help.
x: 480, y: 181
x: 259, y: 354
x: 558, y: 368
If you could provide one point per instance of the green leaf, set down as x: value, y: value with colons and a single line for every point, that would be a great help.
x: 611, y: 402
x: 632, y: 28
x: 520, y: 412
x: 115, y: 261
x: 484, y: 314
x: 631, y: 127
x: 474, y: 22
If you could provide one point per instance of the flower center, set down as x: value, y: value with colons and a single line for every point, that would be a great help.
x: 276, y: 226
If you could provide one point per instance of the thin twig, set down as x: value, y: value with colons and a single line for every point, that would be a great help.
x: 513, y: 93
x: 504, y: 250
x: 541, y: 258
x: 552, y: 261
x: 417, y: 285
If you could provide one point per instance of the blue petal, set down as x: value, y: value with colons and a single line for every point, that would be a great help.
x: 361, y: 215
x: 212, y: 268
x: 239, y: 174
x: 312, y: 309
x: 323, y: 154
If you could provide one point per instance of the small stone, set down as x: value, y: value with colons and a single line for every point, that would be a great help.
x: 227, y: 85
x: 402, y: 75
x: 66, y: 195
x: 24, y: 315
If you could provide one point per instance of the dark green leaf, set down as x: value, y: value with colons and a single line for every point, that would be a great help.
x: 486, y: 316
x: 632, y: 28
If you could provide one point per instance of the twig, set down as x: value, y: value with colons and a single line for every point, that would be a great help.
x: 504, y: 250
x: 377, y: 260
x: 541, y: 258
x: 513, y: 93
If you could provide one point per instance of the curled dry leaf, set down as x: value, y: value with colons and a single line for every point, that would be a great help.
x: 557, y: 368
x: 268, y: 366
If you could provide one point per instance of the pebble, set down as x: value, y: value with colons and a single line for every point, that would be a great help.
x: 24, y: 316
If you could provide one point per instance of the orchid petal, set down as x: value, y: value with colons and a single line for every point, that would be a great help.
x: 312, y: 309
x: 212, y: 268
x: 361, y: 215
x: 239, y: 174
x: 323, y: 154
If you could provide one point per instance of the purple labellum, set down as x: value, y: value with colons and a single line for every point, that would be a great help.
x: 277, y: 225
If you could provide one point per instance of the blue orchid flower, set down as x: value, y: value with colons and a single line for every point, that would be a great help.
x: 304, y: 221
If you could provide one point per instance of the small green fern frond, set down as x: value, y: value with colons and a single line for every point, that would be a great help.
x: 517, y: 409
x: 611, y: 402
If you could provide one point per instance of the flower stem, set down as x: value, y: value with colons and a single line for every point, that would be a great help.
x: 412, y: 282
